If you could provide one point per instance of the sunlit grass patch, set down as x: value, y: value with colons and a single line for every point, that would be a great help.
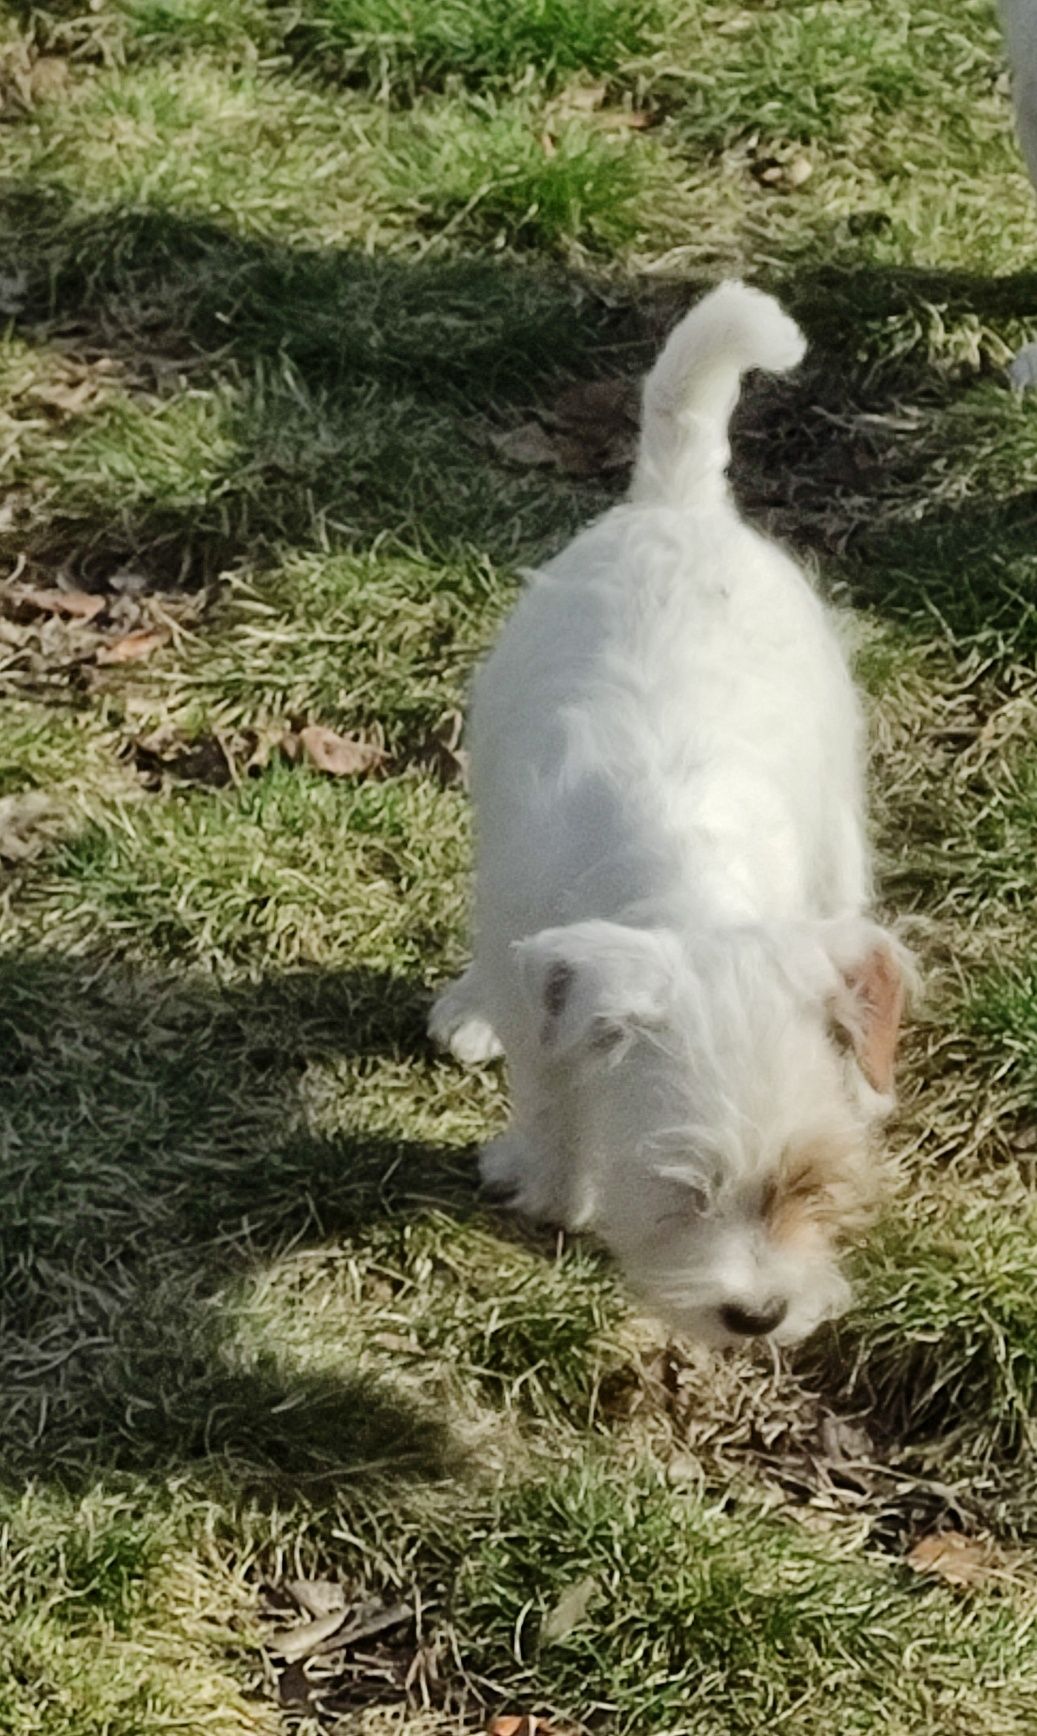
x: 944, y: 1344
x: 403, y: 45
x: 110, y: 1624
x: 290, y: 867
x: 497, y: 172
x: 699, y: 1619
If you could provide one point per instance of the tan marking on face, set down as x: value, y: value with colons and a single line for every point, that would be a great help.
x: 820, y: 1187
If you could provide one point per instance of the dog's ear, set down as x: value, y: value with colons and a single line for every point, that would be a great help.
x: 867, y: 1004
x: 594, y: 984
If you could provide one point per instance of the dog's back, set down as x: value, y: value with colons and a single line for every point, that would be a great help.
x: 667, y: 715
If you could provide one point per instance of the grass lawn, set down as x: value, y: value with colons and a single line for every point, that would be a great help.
x: 291, y: 296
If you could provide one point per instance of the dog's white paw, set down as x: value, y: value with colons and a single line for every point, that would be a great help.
x: 1022, y: 371
x: 473, y: 1041
x: 457, y: 1025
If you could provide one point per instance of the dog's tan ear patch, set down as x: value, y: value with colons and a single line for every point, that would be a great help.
x: 877, y: 987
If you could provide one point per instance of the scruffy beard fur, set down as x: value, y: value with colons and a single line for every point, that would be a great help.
x: 672, y: 949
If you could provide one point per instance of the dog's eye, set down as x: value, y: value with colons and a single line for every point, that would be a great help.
x: 687, y: 1200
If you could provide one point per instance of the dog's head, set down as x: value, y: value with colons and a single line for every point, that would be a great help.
x: 723, y: 1087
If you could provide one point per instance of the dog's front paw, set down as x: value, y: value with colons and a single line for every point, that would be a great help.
x: 456, y: 1024
x: 474, y: 1041
x: 1022, y: 371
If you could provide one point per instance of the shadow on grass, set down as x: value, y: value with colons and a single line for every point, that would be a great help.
x: 357, y: 392
x: 158, y: 1155
x: 352, y: 388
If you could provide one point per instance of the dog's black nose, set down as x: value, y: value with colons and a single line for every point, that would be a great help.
x: 753, y: 1322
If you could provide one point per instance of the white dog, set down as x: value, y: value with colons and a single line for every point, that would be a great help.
x: 1019, y: 18
x: 698, y: 1020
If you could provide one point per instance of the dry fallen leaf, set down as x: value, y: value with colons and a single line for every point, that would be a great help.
x: 78, y: 605
x: 596, y: 402
x: 318, y: 1597
x: 201, y: 759
x: 517, y: 1724
x: 594, y: 431
x: 295, y: 1643
x: 570, y: 1610
x: 597, y: 426
x: 341, y: 756
x: 132, y: 647
x: 960, y: 1560
x: 28, y: 820
x: 530, y: 444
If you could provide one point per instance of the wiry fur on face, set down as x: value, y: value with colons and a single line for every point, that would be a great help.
x: 720, y: 1122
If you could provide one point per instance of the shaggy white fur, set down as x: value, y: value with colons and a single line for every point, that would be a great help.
x: 671, y: 873
x: 1019, y: 18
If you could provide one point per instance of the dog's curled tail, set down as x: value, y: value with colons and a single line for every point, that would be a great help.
x: 692, y: 389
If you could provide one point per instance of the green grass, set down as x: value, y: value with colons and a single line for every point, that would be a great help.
x: 694, y: 1606
x: 274, y: 278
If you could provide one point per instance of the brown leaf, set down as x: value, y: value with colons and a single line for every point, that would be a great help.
x: 594, y: 430
x: 79, y: 605
x: 365, y: 1624
x: 528, y: 445
x: 341, y: 756
x: 597, y: 423
x: 521, y: 1724
x: 200, y: 759
x: 132, y: 647
x: 615, y: 403
x: 960, y: 1560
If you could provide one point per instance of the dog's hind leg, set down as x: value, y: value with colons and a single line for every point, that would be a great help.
x: 457, y: 1021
